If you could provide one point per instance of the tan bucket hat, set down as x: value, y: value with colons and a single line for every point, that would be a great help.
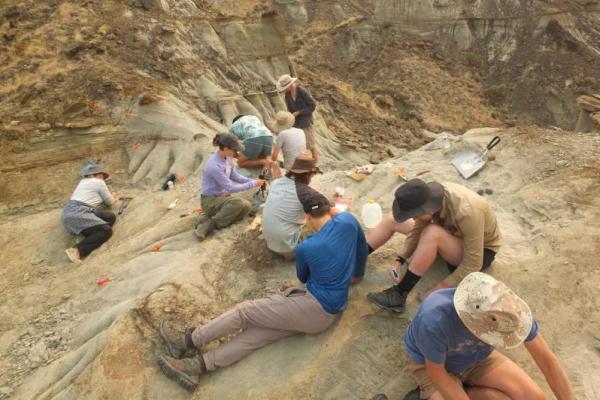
x: 284, y: 82
x: 284, y: 120
x: 492, y: 311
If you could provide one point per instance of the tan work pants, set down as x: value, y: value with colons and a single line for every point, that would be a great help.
x: 261, y: 322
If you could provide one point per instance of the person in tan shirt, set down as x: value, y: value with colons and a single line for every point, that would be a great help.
x: 451, y: 221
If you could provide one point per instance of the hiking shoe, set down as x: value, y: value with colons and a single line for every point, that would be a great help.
x: 414, y: 394
x: 179, y: 344
x: 204, y: 229
x: 390, y: 299
x: 185, y: 372
x: 73, y: 255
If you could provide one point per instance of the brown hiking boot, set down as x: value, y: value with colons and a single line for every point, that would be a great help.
x: 185, y: 372
x: 204, y: 229
x: 179, y: 344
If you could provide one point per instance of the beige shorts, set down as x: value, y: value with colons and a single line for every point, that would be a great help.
x: 471, y: 375
x: 309, y: 133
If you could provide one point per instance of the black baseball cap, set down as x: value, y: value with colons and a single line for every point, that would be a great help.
x: 416, y: 198
x: 310, y: 199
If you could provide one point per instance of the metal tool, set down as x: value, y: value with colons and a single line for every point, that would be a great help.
x: 469, y: 162
x: 124, y: 203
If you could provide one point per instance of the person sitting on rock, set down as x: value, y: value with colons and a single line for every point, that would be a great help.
x: 283, y: 214
x: 453, y: 340
x: 450, y: 220
x: 302, y: 105
x: 82, y: 215
x: 219, y: 181
x: 291, y: 141
x: 257, y: 140
x: 327, y: 262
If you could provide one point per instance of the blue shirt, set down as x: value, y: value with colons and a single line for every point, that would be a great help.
x: 327, y: 260
x: 220, y: 177
x: 438, y: 334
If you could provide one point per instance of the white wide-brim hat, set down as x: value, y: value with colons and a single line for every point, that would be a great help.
x: 284, y: 82
x: 492, y: 311
x: 284, y: 120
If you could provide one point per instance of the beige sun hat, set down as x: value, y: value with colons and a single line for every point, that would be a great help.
x: 284, y: 120
x: 492, y: 311
x: 284, y: 82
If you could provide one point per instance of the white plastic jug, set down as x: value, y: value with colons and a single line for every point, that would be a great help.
x: 371, y: 214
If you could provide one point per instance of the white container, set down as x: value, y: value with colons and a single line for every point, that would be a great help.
x: 371, y: 214
x: 445, y: 139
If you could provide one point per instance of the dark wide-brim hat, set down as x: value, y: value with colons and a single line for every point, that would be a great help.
x: 416, y: 198
x: 303, y: 164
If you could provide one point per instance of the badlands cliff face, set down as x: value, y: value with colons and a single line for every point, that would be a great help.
x: 145, y: 84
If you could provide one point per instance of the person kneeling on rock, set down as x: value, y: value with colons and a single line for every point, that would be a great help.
x: 327, y: 262
x: 452, y: 342
x: 451, y: 221
x: 283, y: 215
x: 257, y: 140
x: 219, y: 181
x: 82, y: 216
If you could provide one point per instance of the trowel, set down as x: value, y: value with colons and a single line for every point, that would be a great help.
x: 469, y: 162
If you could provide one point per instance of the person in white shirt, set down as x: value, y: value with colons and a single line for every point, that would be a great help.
x: 82, y: 216
x: 291, y: 141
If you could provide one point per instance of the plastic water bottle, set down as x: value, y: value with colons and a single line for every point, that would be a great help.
x: 371, y: 214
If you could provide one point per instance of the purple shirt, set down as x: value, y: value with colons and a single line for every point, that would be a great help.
x: 221, y: 177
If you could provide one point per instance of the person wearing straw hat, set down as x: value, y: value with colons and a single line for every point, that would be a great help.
x: 452, y: 341
x: 283, y: 215
x: 291, y: 141
x: 83, y: 216
x: 450, y: 221
x: 328, y: 262
x: 302, y: 105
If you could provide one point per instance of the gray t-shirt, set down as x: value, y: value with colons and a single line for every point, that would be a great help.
x: 283, y: 216
x: 93, y: 192
x: 292, y: 142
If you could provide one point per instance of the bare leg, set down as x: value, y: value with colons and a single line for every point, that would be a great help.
x: 435, y: 239
x: 379, y: 235
x: 511, y: 380
x: 315, y: 154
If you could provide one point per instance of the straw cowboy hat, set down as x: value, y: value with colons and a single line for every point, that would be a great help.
x: 284, y: 82
x: 492, y: 311
x: 284, y: 120
x: 303, y: 164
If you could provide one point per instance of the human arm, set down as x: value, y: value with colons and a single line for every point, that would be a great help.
x: 472, y: 229
x: 225, y: 184
x: 302, y: 271
x: 443, y: 382
x: 550, y: 366
x: 311, y: 104
x: 105, y: 193
x: 239, y: 178
x: 275, y: 153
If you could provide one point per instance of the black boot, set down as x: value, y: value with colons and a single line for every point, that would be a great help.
x: 390, y: 299
x: 414, y: 394
x: 185, y: 372
x: 179, y: 344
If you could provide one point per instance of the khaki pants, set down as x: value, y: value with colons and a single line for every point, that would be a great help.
x: 261, y: 322
x: 224, y: 210
x: 309, y: 133
x: 471, y: 375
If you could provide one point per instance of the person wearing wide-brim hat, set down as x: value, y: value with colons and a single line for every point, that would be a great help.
x: 450, y: 221
x: 83, y: 215
x: 283, y: 215
x: 302, y: 105
x: 291, y: 141
x: 452, y: 340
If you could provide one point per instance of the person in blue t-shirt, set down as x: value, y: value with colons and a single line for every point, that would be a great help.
x: 453, y: 337
x: 328, y: 262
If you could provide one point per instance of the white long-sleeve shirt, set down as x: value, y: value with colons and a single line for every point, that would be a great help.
x: 93, y: 192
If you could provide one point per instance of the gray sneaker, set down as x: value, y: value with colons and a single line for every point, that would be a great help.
x: 204, y: 229
x: 179, y: 344
x: 390, y: 299
x: 185, y: 372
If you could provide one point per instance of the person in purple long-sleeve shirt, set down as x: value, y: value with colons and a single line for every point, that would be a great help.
x: 219, y: 181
